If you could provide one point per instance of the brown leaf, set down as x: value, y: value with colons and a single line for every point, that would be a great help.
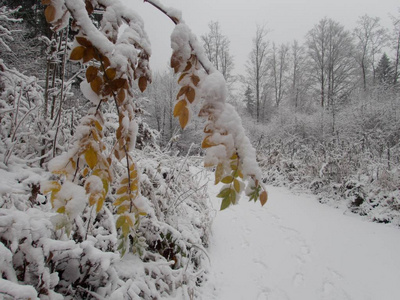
x: 88, y: 55
x: 110, y: 73
x: 142, y: 83
x: 207, y: 143
x: 91, y: 73
x: 182, y: 76
x: 96, y: 85
x: 50, y: 13
x: 182, y: 91
x: 188, y: 66
x: 83, y: 41
x: 195, y: 79
x: 263, y: 197
x: 46, y: 2
x: 77, y: 53
x: 184, y: 117
x: 175, y: 63
x: 106, y: 61
x: 121, y: 96
x: 118, y: 83
x: 190, y: 94
x: 89, y: 7
x: 179, y: 106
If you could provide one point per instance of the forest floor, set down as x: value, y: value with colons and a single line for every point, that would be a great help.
x: 296, y: 248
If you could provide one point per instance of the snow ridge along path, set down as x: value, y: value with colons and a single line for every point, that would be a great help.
x: 296, y: 248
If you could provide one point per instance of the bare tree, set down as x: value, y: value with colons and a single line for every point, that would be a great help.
x: 257, y: 66
x: 370, y: 38
x: 396, y: 44
x: 217, y: 50
x: 330, y: 47
x: 279, y: 69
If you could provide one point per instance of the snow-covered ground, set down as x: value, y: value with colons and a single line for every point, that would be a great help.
x: 297, y: 248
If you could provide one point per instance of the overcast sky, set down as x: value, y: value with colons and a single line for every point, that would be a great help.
x: 286, y: 19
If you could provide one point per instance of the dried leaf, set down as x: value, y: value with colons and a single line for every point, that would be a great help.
x: 142, y: 83
x: 175, y: 63
x: 88, y: 55
x: 50, y: 13
x: 121, y: 96
x: 99, y: 205
x: 188, y: 66
x: 118, y: 83
x: 179, y: 106
x: 110, y: 73
x: 207, y: 143
x: 89, y: 7
x: 263, y: 197
x: 46, y: 2
x: 91, y: 157
x: 184, y: 117
x: 83, y: 41
x: 77, y: 53
x: 182, y: 91
x: 96, y: 85
x: 182, y: 76
x: 195, y: 79
x: 190, y: 94
x: 91, y: 73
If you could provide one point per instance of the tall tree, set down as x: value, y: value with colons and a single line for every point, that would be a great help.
x: 257, y: 66
x: 385, y: 71
x: 396, y: 44
x: 330, y: 47
x: 279, y: 69
x: 217, y: 49
x: 370, y: 38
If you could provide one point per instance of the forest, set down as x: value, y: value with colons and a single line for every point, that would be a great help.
x: 102, y: 162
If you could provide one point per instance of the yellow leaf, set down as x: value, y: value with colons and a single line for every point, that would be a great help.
x: 142, y: 83
x: 91, y: 157
x: 227, y: 179
x: 263, y: 197
x: 100, y: 203
x: 85, y: 172
x: 92, y: 199
x: 142, y: 213
x: 184, y: 117
x: 236, y: 185
x: 179, y: 106
x: 98, y: 125
x: 134, y: 186
x: 122, y: 190
x: 218, y: 173
x: 121, y: 200
x: 61, y: 210
x: 122, y: 209
x: 50, y: 13
x: 52, y: 186
x: 129, y: 221
x: 77, y: 53
x: 125, y: 180
x: 120, y: 221
x: 125, y: 229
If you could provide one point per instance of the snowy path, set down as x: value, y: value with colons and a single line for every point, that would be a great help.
x: 295, y: 248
